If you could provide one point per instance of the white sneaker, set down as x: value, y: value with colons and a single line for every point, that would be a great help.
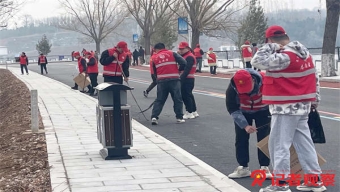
x: 195, y: 114
x: 274, y: 188
x: 188, y: 116
x: 154, y: 121
x: 268, y: 173
x: 180, y: 120
x: 240, y: 172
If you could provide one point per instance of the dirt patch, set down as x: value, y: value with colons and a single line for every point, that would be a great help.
x: 23, y: 157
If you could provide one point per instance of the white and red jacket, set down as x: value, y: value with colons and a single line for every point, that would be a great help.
x: 296, y: 83
x: 92, y: 65
x: 247, y: 53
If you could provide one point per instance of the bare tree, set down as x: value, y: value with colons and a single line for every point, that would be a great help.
x: 211, y: 17
x: 149, y: 14
x: 329, y: 39
x: 95, y: 19
x: 6, y: 9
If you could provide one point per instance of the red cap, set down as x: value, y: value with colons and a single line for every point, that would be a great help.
x: 88, y: 53
x: 275, y: 31
x: 76, y: 54
x: 183, y: 45
x: 198, y: 45
x: 243, y: 81
x: 123, y: 45
x: 247, y: 42
x: 210, y: 49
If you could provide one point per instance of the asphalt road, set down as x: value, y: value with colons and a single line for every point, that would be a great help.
x: 211, y: 136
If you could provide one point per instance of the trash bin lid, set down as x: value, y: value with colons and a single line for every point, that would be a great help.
x: 110, y: 86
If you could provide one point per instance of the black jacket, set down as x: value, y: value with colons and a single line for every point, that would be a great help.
x: 190, y: 62
x: 106, y: 59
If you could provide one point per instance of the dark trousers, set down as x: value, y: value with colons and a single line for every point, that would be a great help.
x: 135, y: 61
x: 42, y: 68
x: 242, y: 138
x: 94, y: 81
x: 188, y: 98
x: 213, y: 69
x: 153, y: 84
x: 199, y: 64
x: 115, y: 79
x: 248, y: 65
x: 22, y: 68
x: 163, y: 89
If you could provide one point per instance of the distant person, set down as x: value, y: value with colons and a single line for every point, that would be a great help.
x: 72, y: 55
x: 83, y: 52
x: 92, y: 71
x: 167, y: 65
x: 247, y: 53
x: 116, y: 63
x: 153, y: 75
x: 42, y: 61
x: 23, y: 63
x: 129, y: 55
x: 81, y: 67
x: 212, y: 61
x: 141, y: 55
x: 254, y: 49
x: 198, y: 52
x: 135, y: 55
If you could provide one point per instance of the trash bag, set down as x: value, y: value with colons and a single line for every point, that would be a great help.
x: 315, y: 127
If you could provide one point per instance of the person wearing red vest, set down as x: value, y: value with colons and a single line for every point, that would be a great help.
x: 116, y: 63
x: 92, y: 71
x: 212, y: 61
x: 244, y: 104
x: 188, y: 81
x: 153, y: 76
x: 291, y: 88
x: 165, y: 66
x: 23, y: 60
x: 198, y: 52
x: 42, y: 61
x: 247, y: 53
x: 81, y: 67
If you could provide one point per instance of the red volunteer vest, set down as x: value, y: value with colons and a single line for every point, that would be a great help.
x: 42, y: 59
x: 23, y: 60
x: 294, y: 84
x: 93, y: 68
x: 253, y: 102
x: 151, y: 61
x: 80, y: 66
x: 245, y: 52
x: 197, y: 52
x: 166, y: 66
x: 115, y: 68
x: 213, y: 56
x: 193, y: 69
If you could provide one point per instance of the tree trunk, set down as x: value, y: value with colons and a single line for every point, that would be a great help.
x: 329, y: 38
x: 147, y: 43
x: 195, y: 37
x: 98, y: 47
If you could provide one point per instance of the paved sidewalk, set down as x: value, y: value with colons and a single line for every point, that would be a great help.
x: 69, y: 118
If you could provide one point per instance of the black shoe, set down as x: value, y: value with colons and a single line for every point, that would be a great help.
x: 75, y: 88
x: 145, y: 93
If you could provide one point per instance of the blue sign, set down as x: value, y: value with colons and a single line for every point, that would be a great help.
x: 182, y: 25
x: 135, y: 38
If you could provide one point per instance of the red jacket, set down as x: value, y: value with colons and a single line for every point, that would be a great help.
x: 213, y: 58
x: 23, y: 60
x: 166, y: 66
x: 253, y: 102
x: 92, y: 68
x: 245, y: 51
x: 193, y: 69
x: 115, y: 68
x: 42, y: 60
x: 80, y: 66
x: 197, y: 52
x: 296, y: 83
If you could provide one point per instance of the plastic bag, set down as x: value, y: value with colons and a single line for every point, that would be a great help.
x: 315, y: 127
